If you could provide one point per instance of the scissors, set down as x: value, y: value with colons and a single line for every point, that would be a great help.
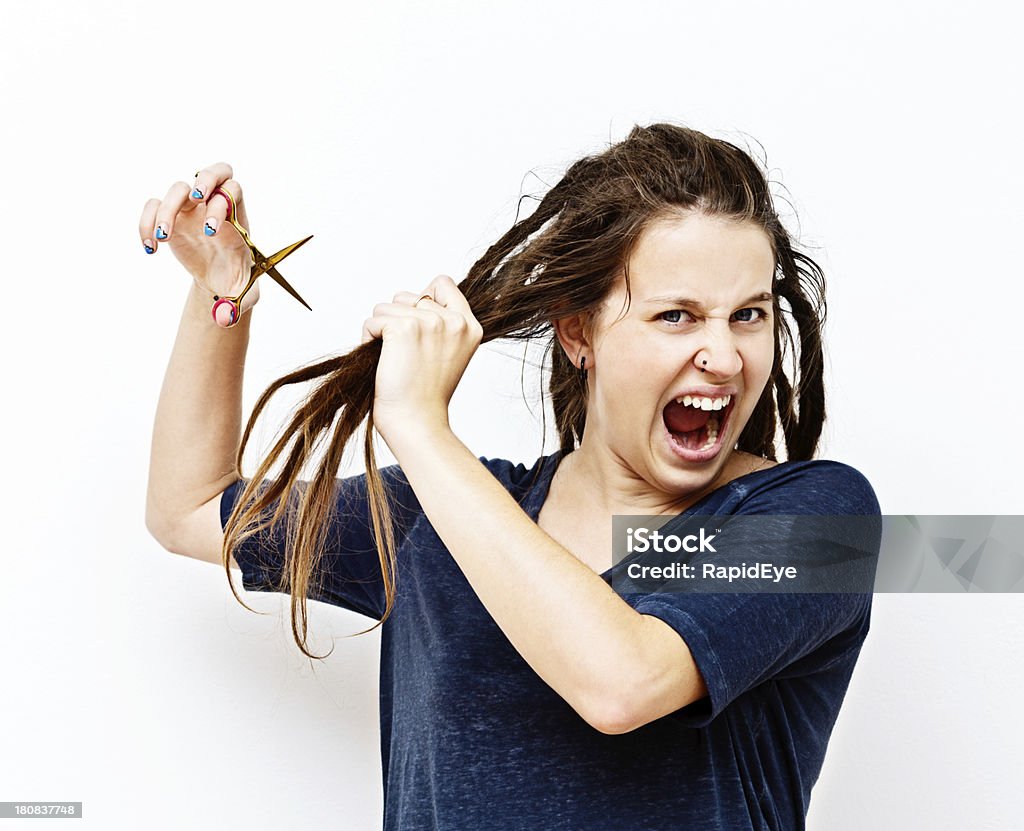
x: 260, y: 264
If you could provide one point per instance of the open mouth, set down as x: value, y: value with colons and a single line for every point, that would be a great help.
x: 695, y: 426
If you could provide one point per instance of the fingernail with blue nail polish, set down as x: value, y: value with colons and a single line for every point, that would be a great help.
x: 160, y: 232
x: 211, y: 227
x: 149, y: 248
x: 196, y: 193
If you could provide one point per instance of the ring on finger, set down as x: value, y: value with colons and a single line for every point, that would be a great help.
x: 228, y: 198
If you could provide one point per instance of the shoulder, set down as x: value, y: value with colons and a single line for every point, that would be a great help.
x: 517, y: 478
x: 504, y: 470
x: 815, y: 486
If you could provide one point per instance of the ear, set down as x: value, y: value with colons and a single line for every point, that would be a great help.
x: 574, y: 335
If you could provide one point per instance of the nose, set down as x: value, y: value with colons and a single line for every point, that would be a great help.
x: 719, y: 355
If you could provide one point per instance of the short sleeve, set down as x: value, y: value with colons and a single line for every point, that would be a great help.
x: 349, y: 575
x: 741, y: 640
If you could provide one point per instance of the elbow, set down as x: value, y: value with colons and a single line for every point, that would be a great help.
x: 157, y: 521
x: 625, y: 705
x: 625, y: 713
x: 157, y: 529
x: 611, y: 711
x: 161, y: 531
x: 613, y: 721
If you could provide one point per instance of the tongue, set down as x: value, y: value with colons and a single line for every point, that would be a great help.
x: 683, y: 419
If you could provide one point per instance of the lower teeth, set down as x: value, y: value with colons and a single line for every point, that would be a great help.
x: 712, y: 434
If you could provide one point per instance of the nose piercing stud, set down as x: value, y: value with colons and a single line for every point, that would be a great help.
x: 702, y: 368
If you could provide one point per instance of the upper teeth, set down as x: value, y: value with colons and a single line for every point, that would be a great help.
x: 704, y: 403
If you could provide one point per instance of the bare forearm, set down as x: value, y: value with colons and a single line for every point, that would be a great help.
x: 198, y: 421
x: 566, y: 622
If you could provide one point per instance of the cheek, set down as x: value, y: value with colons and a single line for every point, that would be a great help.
x: 631, y: 360
x: 760, y: 356
x: 648, y: 370
x: 762, y: 366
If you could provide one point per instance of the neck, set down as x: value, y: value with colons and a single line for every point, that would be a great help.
x: 607, y: 485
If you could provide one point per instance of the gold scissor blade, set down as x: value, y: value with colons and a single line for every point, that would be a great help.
x: 284, y: 252
x: 268, y: 264
x: 273, y: 272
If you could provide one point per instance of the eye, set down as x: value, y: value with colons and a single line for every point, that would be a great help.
x: 676, y: 312
x: 761, y: 314
x: 752, y: 315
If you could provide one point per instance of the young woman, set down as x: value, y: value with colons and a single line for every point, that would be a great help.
x: 519, y: 689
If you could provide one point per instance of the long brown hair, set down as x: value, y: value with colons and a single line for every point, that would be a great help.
x: 561, y: 260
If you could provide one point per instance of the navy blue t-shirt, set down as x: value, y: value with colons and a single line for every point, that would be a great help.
x: 472, y: 738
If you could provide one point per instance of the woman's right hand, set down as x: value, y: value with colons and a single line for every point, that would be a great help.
x: 219, y: 264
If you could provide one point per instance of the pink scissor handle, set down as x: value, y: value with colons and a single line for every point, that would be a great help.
x: 227, y: 198
x: 232, y: 306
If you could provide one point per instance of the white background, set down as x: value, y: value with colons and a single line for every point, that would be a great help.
x: 401, y: 134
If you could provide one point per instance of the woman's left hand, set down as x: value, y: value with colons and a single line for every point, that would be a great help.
x: 428, y: 344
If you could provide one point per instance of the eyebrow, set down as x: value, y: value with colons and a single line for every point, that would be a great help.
x: 696, y: 304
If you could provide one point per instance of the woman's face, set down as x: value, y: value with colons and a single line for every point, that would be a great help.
x: 701, y: 292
